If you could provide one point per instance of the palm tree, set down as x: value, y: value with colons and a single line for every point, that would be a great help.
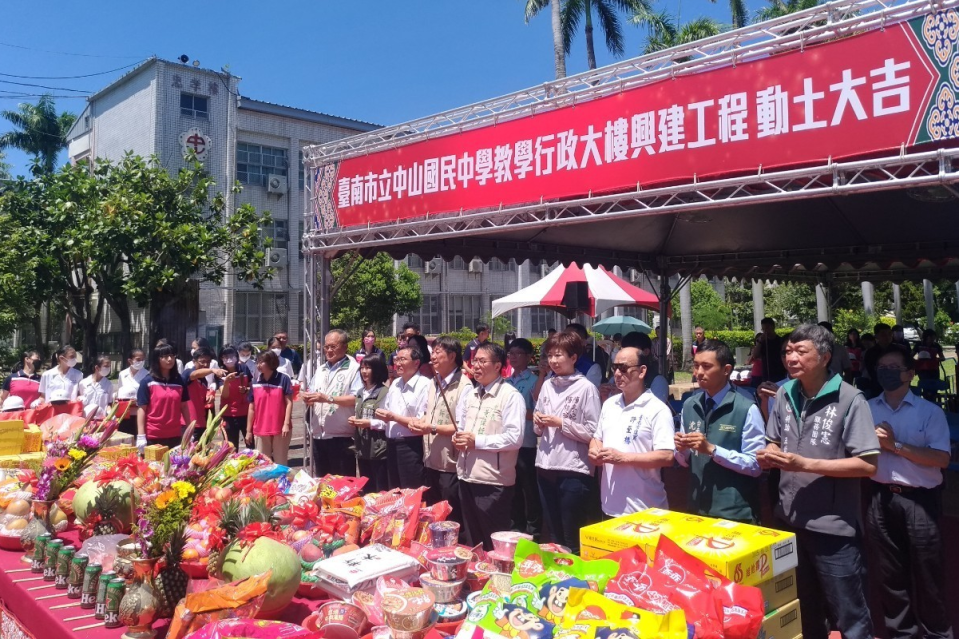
x: 738, y: 11
x: 559, y: 50
x: 576, y: 11
x: 690, y: 32
x: 779, y: 8
x: 38, y: 131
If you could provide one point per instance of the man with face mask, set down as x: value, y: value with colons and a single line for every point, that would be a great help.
x: 904, y: 503
x: 884, y: 344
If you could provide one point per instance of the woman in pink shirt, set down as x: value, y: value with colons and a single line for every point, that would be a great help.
x: 235, y: 395
x: 270, y: 416
x: 163, y: 401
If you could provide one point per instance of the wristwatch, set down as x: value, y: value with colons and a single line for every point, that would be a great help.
x: 432, y: 429
x: 898, y: 447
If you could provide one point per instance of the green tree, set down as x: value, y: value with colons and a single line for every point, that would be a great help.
x: 670, y: 36
x: 369, y: 291
x: 608, y: 13
x: 780, y: 8
x: 790, y: 303
x: 708, y: 308
x: 739, y: 299
x: 38, y: 130
x: 4, y: 169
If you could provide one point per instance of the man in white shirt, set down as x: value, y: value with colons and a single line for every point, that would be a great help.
x: 405, y: 403
x: 332, y: 396
x: 490, y: 418
x: 902, y: 516
x: 633, y: 441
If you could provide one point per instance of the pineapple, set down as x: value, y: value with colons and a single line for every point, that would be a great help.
x: 107, y: 504
x: 171, y: 581
x: 231, y: 523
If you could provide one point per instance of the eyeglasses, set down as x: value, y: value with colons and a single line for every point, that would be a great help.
x: 623, y: 368
x: 482, y: 362
x: 402, y: 359
x: 890, y: 368
x: 331, y: 347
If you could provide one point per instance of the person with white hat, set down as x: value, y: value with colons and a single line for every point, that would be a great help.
x: 12, y: 404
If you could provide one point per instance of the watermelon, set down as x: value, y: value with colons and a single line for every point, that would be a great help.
x: 244, y: 561
x: 87, y: 495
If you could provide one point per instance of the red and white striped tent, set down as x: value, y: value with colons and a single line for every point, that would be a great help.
x: 606, y: 291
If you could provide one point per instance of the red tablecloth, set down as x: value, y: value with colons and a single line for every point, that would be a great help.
x: 37, y: 618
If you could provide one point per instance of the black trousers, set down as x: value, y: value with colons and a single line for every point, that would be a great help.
x: 486, y: 509
x: 129, y: 425
x: 404, y: 462
x: 375, y: 472
x: 235, y: 429
x: 905, y: 554
x: 527, y: 509
x: 444, y: 486
x: 565, y: 496
x: 333, y: 457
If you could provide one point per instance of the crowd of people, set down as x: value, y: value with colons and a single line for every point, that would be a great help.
x: 587, y: 435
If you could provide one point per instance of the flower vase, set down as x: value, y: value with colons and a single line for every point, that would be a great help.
x: 138, y: 608
x: 38, y: 525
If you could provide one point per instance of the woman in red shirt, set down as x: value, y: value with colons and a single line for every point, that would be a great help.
x: 235, y: 395
x: 164, y: 404
x: 270, y: 416
x: 24, y: 382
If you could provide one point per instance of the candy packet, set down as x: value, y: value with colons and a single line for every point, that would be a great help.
x: 510, y: 620
x: 586, y: 607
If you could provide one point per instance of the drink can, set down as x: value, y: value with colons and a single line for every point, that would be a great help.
x: 63, y: 566
x: 88, y: 592
x: 115, y: 591
x: 39, y: 548
x: 75, y: 577
x: 50, y: 559
x: 101, y: 602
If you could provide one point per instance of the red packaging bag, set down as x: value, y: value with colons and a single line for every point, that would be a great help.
x: 742, y: 606
x: 688, y: 587
x: 636, y: 584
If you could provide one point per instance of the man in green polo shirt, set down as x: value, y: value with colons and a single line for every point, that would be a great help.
x: 721, y: 432
x: 821, y: 436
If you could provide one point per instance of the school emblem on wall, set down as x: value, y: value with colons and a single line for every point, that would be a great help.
x: 194, y: 140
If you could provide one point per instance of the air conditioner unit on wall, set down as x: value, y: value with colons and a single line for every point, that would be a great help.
x: 276, y: 184
x: 476, y: 266
x: 432, y: 266
x: 276, y: 257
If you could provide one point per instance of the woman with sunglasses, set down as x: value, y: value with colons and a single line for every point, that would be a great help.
x: 565, y: 419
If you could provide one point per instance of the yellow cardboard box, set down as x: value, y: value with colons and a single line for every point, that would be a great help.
x: 636, y: 529
x: 585, y: 552
x: 783, y: 623
x: 11, y: 437
x: 32, y: 440
x: 155, y: 452
x: 779, y: 590
x: 33, y: 461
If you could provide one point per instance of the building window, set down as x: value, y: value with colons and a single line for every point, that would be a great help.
x: 458, y: 264
x: 195, y: 106
x: 497, y: 264
x: 465, y: 311
x: 255, y: 164
x: 299, y: 240
x: 428, y: 315
x: 257, y: 316
x: 279, y: 230
x: 414, y: 261
x: 301, y: 173
x: 543, y: 319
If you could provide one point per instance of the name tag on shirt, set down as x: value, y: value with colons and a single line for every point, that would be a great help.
x: 727, y: 428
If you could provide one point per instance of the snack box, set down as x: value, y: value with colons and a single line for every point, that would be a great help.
x: 779, y: 590
x: 355, y: 571
x: 121, y: 439
x: 11, y: 437
x: 33, y: 461
x: 32, y: 439
x: 783, y: 623
x: 113, y: 453
x: 588, y: 553
x: 636, y: 529
x: 155, y: 452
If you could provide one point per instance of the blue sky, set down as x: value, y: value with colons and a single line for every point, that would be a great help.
x: 383, y: 62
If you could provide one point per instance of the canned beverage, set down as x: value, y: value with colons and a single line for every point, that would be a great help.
x: 115, y: 591
x: 75, y: 577
x: 101, y: 602
x: 88, y: 592
x: 50, y: 559
x: 39, y: 548
x: 63, y: 566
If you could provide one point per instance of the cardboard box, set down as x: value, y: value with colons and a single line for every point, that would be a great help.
x: 32, y: 461
x: 32, y: 439
x: 358, y: 570
x: 155, y: 452
x: 585, y: 552
x: 779, y: 590
x: 783, y: 623
x: 746, y: 554
x: 11, y: 437
x: 113, y: 453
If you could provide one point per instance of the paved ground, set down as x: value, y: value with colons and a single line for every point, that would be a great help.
x: 299, y: 435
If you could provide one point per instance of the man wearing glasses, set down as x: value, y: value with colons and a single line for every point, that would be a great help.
x: 405, y: 404
x: 902, y: 515
x: 332, y: 394
x: 633, y: 440
x: 490, y: 418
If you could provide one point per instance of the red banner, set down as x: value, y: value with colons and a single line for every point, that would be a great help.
x: 854, y: 96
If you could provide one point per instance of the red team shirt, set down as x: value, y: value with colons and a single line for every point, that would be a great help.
x: 237, y: 404
x: 269, y: 404
x: 26, y: 387
x: 162, y: 399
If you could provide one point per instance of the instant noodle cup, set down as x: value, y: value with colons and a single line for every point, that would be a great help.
x: 443, y: 591
x: 502, y: 562
x: 505, y: 541
x: 452, y: 611
x: 408, y: 609
x: 444, y: 534
x: 341, y: 620
x: 448, y: 564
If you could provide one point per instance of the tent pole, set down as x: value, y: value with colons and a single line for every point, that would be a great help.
x: 664, y: 295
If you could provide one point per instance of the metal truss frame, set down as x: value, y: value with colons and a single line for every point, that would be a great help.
x: 792, y: 32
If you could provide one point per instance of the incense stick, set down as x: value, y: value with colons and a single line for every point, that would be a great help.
x: 92, y: 625
x: 20, y: 581
x: 90, y: 616
x: 41, y: 587
x: 69, y: 605
x: 59, y: 594
x: 17, y: 570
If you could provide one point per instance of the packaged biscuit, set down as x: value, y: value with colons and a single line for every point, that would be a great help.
x: 510, y: 620
x: 588, y: 608
x: 636, y: 529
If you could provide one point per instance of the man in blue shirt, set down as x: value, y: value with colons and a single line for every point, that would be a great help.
x: 527, y: 512
x: 721, y: 432
x: 904, y: 503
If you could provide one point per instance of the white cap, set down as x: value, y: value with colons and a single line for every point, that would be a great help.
x: 923, y: 355
x: 12, y: 403
x: 59, y: 395
x: 127, y: 392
